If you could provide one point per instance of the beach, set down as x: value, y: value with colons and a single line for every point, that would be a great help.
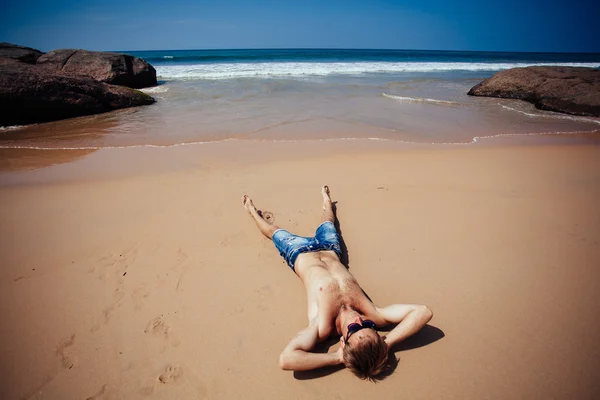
x: 136, y: 273
x: 131, y: 270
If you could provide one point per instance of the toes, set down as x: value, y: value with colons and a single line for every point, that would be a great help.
x: 247, y: 201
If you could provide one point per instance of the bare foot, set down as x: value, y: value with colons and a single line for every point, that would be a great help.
x: 248, y: 204
x: 256, y: 214
x: 326, y: 198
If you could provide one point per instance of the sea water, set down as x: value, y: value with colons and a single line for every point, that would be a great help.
x: 406, y: 96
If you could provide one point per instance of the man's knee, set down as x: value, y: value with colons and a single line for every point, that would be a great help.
x: 271, y: 231
x: 328, y: 218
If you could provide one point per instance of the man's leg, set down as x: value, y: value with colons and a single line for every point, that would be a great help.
x: 328, y: 214
x: 266, y: 227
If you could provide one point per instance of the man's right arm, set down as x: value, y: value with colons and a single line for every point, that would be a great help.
x: 297, y: 356
x: 409, y: 317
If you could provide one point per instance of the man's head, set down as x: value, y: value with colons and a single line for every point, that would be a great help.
x: 365, y: 352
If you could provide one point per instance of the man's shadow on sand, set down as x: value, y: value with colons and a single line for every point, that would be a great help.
x: 345, y: 259
x: 425, y: 336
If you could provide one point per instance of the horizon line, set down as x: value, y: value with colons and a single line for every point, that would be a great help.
x: 360, y: 48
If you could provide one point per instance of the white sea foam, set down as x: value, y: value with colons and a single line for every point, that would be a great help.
x: 417, y: 99
x: 554, y: 116
x: 300, y: 69
x: 474, y: 140
x: 155, y: 89
x: 477, y: 138
x: 168, y: 57
x: 132, y: 146
x: 10, y: 128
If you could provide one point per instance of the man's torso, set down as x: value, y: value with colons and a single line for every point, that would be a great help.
x: 329, y: 287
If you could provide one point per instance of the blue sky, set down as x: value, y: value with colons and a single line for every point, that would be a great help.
x: 510, y: 25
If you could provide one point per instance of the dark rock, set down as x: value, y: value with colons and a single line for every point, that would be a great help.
x: 24, y: 54
x: 570, y: 90
x: 113, y: 68
x: 29, y: 94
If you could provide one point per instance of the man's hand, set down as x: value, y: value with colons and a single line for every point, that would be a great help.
x: 409, y: 317
x: 340, y: 355
x: 297, y: 356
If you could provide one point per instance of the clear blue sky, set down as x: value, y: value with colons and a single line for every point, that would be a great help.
x: 508, y: 25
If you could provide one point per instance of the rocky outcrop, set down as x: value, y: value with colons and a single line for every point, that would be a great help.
x: 19, y: 53
x: 113, y: 68
x: 570, y: 90
x: 30, y: 94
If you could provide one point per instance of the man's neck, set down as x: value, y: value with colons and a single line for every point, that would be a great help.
x: 342, y: 316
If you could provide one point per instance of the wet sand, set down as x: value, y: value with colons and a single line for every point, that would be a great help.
x: 159, y: 285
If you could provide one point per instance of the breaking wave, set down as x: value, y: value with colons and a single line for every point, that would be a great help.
x: 10, y: 128
x: 307, y: 69
x: 155, y: 89
x: 553, y: 115
x: 418, y: 99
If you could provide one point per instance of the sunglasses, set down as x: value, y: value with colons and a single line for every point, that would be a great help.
x: 354, y: 327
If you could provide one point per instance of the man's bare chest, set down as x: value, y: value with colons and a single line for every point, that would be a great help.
x: 331, y: 294
x: 337, y: 291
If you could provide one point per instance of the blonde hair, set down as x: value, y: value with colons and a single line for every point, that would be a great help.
x: 367, y: 358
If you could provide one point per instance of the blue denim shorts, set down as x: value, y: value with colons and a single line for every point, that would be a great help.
x: 291, y: 246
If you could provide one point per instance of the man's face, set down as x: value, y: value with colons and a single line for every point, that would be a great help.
x: 358, y: 336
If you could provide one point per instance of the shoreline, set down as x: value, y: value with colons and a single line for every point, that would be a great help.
x: 516, y: 140
x: 26, y: 166
x: 150, y: 284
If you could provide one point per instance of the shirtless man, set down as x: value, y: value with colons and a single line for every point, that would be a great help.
x: 336, y: 302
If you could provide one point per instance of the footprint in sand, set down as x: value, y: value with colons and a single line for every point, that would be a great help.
x: 108, y: 312
x: 268, y: 216
x: 98, y: 395
x: 170, y: 374
x: 147, y: 390
x: 65, y: 360
x: 157, y: 327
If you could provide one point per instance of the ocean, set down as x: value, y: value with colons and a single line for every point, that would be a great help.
x: 406, y: 96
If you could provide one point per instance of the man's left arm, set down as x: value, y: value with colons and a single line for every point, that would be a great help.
x: 410, y: 318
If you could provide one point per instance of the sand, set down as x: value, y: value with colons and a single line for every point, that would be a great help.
x: 159, y: 286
